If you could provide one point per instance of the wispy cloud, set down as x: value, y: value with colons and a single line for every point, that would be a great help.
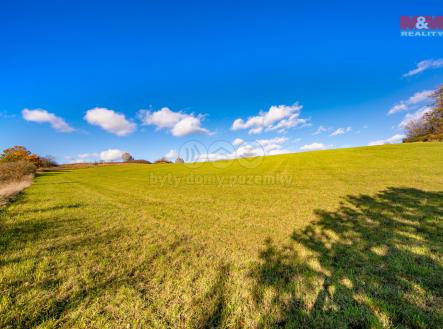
x: 425, y: 65
x: 110, y: 121
x: 278, y: 118
x: 416, y: 99
x: 398, y: 138
x: 43, y: 116
x: 320, y: 130
x: 341, y: 131
x: 88, y: 155
x: 177, y: 123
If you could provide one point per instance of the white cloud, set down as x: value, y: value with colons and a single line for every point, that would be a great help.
x: 414, y: 116
x: 250, y: 150
x: 262, y: 147
x: 43, y: 116
x: 276, y: 140
x: 109, y: 120
x: 273, y: 146
x: 314, y: 146
x: 111, y: 155
x: 187, y: 126
x: 237, y: 141
x: 398, y: 138
x: 278, y: 118
x: 83, y: 157
x: 178, y: 123
x: 171, y: 155
x: 341, y: 131
x: 425, y: 65
x: 107, y: 156
x: 320, y: 130
x: 405, y: 105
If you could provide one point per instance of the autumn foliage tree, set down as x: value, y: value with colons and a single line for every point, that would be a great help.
x: 15, y: 153
x: 21, y: 153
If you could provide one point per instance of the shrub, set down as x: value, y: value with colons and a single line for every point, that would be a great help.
x: 14, y: 171
x: 15, y: 153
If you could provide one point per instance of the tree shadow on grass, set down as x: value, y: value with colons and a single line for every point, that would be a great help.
x: 216, y: 301
x: 374, y: 262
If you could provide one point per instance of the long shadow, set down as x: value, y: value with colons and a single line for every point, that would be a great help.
x: 51, y: 173
x: 216, y: 301
x: 75, y: 205
x: 375, y: 262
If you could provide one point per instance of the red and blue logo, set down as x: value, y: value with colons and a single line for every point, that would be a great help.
x: 421, y: 26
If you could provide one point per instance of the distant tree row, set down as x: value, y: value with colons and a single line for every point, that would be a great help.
x: 21, y: 153
x: 166, y: 160
x: 430, y: 126
x: 126, y: 157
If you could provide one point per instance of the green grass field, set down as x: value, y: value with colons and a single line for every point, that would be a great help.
x: 348, y: 238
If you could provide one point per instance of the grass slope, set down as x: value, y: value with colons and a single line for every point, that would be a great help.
x: 342, y: 238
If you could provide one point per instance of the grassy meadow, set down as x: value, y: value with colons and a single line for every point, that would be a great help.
x: 349, y: 238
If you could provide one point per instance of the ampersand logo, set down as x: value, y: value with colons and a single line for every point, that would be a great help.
x: 421, y: 26
x: 421, y: 23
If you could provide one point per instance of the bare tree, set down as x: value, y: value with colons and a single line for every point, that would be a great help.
x: 429, y: 126
x: 437, y: 117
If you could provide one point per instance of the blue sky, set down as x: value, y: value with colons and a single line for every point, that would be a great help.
x: 82, y: 77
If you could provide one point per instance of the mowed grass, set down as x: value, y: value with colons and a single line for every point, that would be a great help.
x: 348, y: 238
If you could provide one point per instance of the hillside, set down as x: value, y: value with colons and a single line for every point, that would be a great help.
x: 327, y: 239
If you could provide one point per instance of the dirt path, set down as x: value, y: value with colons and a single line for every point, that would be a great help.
x: 10, y: 190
